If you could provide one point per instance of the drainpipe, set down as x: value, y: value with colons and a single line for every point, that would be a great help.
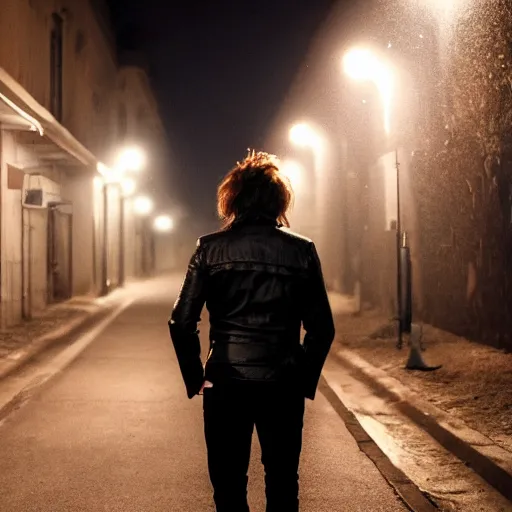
x: 105, y: 284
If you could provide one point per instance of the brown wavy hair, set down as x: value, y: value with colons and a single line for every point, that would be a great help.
x: 255, y: 187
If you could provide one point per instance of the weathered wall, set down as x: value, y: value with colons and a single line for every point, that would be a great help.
x: 10, y: 238
x: 89, y: 67
x: 35, y: 260
x: 24, y: 236
x: 95, y: 95
x: 79, y: 191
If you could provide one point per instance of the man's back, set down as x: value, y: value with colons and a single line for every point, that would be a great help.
x: 256, y: 274
x: 260, y: 284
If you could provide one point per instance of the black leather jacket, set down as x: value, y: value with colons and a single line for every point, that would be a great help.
x: 260, y: 283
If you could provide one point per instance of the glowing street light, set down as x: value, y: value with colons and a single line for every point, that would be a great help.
x: 305, y: 136
x: 128, y: 186
x: 364, y: 66
x: 302, y: 135
x: 163, y: 224
x: 102, y: 169
x: 131, y: 159
x: 143, y: 205
x: 294, y: 172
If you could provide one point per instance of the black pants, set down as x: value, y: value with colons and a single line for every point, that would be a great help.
x: 230, y: 413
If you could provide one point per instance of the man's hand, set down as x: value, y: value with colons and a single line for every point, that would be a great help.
x: 206, y: 384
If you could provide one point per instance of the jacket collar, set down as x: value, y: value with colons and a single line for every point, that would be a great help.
x: 255, y: 220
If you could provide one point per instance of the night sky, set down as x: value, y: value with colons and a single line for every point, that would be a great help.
x: 220, y: 70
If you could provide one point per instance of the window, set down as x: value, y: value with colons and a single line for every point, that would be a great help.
x: 56, y: 41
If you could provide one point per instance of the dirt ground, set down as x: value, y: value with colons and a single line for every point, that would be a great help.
x: 474, y: 383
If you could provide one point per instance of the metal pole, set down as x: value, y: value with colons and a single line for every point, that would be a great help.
x: 121, y: 237
x: 104, y: 254
x: 398, y: 244
x: 143, y: 238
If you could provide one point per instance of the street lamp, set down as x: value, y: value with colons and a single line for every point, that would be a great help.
x: 163, y: 224
x: 301, y: 134
x: 127, y: 189
x: 363, y: 65
x: 304, y: 135
x: 131, y: 159
x: 128, y: 186
x: 143, y: 205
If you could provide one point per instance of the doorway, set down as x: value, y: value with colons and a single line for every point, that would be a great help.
x: 60, y: 257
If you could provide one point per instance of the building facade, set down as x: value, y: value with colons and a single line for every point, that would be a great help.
x: 60, y: 126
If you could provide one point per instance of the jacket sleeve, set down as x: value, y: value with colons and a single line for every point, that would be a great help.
x: 318, y: 324
x: 183, y: 323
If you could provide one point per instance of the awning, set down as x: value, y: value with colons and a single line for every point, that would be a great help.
x: 37, y: 130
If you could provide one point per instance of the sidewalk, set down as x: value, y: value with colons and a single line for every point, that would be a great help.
x: 468, y: 402
x: 56, y: 324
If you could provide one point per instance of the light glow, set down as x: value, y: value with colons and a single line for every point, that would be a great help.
x: 129, y: 186
x: 102, y: 168
x: 301, y: 134
x: 131, y: 159
x: 294, y: 172
x: 362, y: 65
x: 163, y: 223
x: 143, y: 205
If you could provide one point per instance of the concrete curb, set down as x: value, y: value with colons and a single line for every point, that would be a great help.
x: 407, y: 490
x: 21, y: 357
x: 492, y: 463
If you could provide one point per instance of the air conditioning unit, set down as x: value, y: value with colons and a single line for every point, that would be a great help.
x: 39, y: 191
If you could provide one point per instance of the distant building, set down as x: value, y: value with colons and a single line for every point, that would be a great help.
x: 66, y: 109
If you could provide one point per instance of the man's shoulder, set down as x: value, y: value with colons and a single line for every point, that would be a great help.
x: 211, y: 237
x: 293, y: 236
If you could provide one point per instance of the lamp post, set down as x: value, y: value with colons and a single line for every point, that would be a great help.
x: 364, y: 66
x: 143, y: 206
x: 303, y: 135
x: 126, y: 189
x: 105, y: 282
x: 129, y: 160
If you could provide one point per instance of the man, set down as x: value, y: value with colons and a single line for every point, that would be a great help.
x: 260, y: 284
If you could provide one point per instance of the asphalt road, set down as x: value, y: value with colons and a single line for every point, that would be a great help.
x: 115, y: 431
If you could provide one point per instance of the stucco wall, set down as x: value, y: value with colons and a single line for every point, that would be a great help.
x: 11, y: 289
x: 79, y: 191
x: 89, y: 67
